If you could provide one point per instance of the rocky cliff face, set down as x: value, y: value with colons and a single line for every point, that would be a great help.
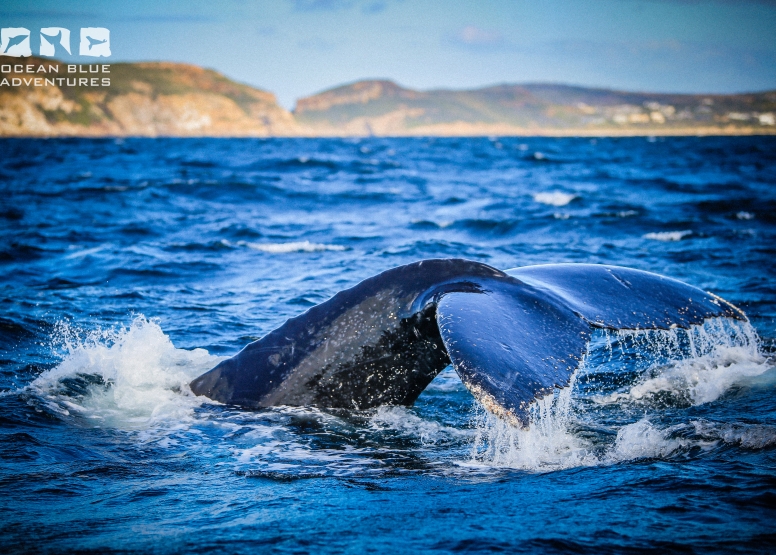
x: 143, y: 99
x: 384, y: 108
x: 167, y: 99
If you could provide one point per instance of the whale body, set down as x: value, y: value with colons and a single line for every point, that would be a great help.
x: 513, y: 337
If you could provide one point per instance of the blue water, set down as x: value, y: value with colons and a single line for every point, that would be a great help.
x: 131, y: 266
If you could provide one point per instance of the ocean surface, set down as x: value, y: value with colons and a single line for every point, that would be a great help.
x: 130, y: 266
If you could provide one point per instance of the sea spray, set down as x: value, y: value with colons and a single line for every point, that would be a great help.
x: 625, y: 376
x: 682, y: 367
x: 122, y: 377
x: 644, y: 440
x: 547, y: 444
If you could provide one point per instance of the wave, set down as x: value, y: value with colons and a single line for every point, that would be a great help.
x: 667, y: 236
x: 554, y: 198
x: 296, y: 246
x: 405, y: 422
x: 645, y: 440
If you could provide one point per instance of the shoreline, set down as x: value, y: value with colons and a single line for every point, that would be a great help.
x: 491, y: 132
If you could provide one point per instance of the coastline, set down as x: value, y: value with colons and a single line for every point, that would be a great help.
x: 495, y: 131
x: 165, y: 99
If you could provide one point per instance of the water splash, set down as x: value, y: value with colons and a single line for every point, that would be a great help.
x: 643, y: 440
x: 123, y: 377
x: 686, y: 367
x: 134, y: 378
x: 626, y: 375
x: 547, y: 444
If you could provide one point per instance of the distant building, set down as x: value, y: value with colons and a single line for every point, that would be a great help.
x: 657, y: 117
x: 768, y: 118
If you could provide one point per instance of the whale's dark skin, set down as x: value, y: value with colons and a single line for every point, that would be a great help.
x: 511, y: 336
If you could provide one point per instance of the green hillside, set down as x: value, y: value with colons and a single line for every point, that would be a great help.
x: 382, y: 107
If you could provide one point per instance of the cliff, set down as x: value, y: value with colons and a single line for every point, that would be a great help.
x: 143, y: 99
x: 168, y: 99
x: 384, y: 108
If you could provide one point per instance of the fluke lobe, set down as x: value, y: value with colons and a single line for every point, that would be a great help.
x: 511, y: 336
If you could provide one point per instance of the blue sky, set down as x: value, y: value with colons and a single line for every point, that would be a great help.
x: 298, y: 47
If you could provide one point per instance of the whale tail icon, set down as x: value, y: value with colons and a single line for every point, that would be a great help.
x: 94, y: 42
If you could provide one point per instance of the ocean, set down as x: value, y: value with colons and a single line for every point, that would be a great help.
x: 131, y: 266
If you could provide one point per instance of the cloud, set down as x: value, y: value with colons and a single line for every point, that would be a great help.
x: 473, y: 36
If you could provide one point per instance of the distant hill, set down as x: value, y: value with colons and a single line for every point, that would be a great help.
x: 385, y: 108
x: 146, y: 99
x: 168, y: 99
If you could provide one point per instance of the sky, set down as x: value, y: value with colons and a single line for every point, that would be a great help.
x: 295, y: 48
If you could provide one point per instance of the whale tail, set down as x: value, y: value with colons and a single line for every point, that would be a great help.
x: 512, y: 337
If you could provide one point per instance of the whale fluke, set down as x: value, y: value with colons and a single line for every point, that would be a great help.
x: 511, y: 336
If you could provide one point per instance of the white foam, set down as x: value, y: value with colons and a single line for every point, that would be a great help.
x: 404, y: 421
x: 703, y: 379
x: 554, y: 198
x: 142, y: 378
x: 84, y: 252
x: 668, y: 236
x: 297, y: 246
x: 748, y: 436
x: 295, y: 459
x: 269, y: 444
x: 642, y: 440
x: 722, y: 356
x: 546, y: 445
